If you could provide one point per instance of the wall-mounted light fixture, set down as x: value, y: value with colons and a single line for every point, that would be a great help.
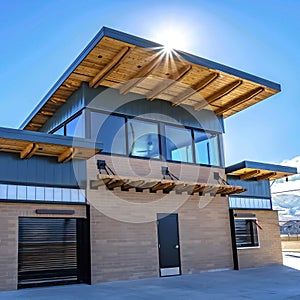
x: 101, y: 165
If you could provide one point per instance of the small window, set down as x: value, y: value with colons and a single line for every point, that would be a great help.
x: 110, y: 130
x: 76, y: 127
x: 246, y: 233
x: 60, y: 131
x: 143, y: 139
x: 207, y: 148
x: 179, y: 144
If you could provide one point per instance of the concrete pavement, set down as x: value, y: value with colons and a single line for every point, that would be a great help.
x: 273, y: 282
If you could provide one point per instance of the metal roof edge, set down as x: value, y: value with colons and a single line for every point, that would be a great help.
x: 41, y: 137
x: 138, y: 41
x: 260, y: 166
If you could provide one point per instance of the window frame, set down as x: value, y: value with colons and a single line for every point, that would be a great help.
x: 257, y: 233
x: 161, y: 136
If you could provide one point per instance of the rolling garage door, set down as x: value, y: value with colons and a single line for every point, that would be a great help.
x: 47, y: 251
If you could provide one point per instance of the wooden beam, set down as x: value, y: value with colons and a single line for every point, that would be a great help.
x: 195, y: 88
x: 58, y: 100
x: 249, y: 175
x: 47, y: 113
x: 168, y: 82
x: 219, y: 94
x: 74, y: 153
x: 240, y: 100
x: 96, y: 81
x: 140, y: 76
x: 29, y: 150
x: 266, y: 176
x: 65, y: 155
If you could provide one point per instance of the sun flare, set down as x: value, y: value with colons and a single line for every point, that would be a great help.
x: 172, y: 38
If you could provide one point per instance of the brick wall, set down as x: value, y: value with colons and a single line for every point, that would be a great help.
x: 124, y: 231
x: 269, y: 240
x: 9, y: 213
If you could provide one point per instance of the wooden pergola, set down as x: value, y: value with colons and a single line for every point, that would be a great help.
x: 131, y: 64
x: 153, y: 185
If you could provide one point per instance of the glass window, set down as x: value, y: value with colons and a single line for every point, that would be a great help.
x: 66, y: 195
x: 143, y: 139
x: 49, y: 193
x: 3, y: 191
x: 12, y: 192
x: 57, y: 194
x: 21, y: 189
x: 40, y: 193
x: 207, y: 148
x: 246, y: 233
x: 76, y: 127
x: 110, y: 130
x: 178, y: 144
x: 30, y: 193
x: 60, y: 131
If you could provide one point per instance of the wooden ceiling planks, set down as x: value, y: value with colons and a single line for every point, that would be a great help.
x: 149, y: 72
x: 258, y: 174
x: 27, y: 149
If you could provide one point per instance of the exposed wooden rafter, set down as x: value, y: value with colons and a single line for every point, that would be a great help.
x: 67, y: 155
x: 240, y: 100
x: 219, y: 94
x: 195, y: 89
x: 266, y: 176
x: 29, y: 150
x: 140, y: 76
x: 96, y: 81
x: 249, y: 175
x: 154, y: 185
x: 168, y: 82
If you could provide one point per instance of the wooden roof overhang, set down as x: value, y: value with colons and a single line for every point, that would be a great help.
x: 131, y: 64
x: 154, y: 185
x: 28, y: 144
x: 259, y: 171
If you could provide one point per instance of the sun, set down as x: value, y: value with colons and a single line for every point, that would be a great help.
x: 172, y: 38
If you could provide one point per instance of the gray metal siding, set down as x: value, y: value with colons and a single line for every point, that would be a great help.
x: 74, y: 104
x: 41, y: 171
x: 259, y: 189
x: 110, y: 100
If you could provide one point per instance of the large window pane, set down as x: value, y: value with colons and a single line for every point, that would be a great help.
x: 143, y: 139
x: 110, y: 130
x: 179, y: 144
x: 76, y: 127
x: 207, y: 148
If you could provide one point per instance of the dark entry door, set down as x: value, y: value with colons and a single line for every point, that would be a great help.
x: 168, y: 244
x: 48, y: 251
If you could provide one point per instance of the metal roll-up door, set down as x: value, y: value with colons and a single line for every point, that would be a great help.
x: 47, y: 251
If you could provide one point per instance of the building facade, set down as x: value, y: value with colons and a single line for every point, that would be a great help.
x: 119, y: 172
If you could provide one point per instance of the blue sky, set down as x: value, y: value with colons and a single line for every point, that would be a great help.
x: 40, y: 39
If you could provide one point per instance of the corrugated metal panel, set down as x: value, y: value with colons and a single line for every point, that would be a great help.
x: 133, y: 105
x: 248, y: 202
x: 47, y: 251
x: 41, y: 171
x: 74, y: 104
x: 259, y: 189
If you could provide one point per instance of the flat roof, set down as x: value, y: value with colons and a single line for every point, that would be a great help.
x: 259, y: 171
x: 132, y: 64
x: 28, y: 143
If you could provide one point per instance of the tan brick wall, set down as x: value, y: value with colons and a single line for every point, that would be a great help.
x: 269, y: 240
x: 124, y: 231
x: 9, y: 213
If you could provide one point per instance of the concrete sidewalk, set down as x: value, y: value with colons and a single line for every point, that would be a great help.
x: 274, y: 282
